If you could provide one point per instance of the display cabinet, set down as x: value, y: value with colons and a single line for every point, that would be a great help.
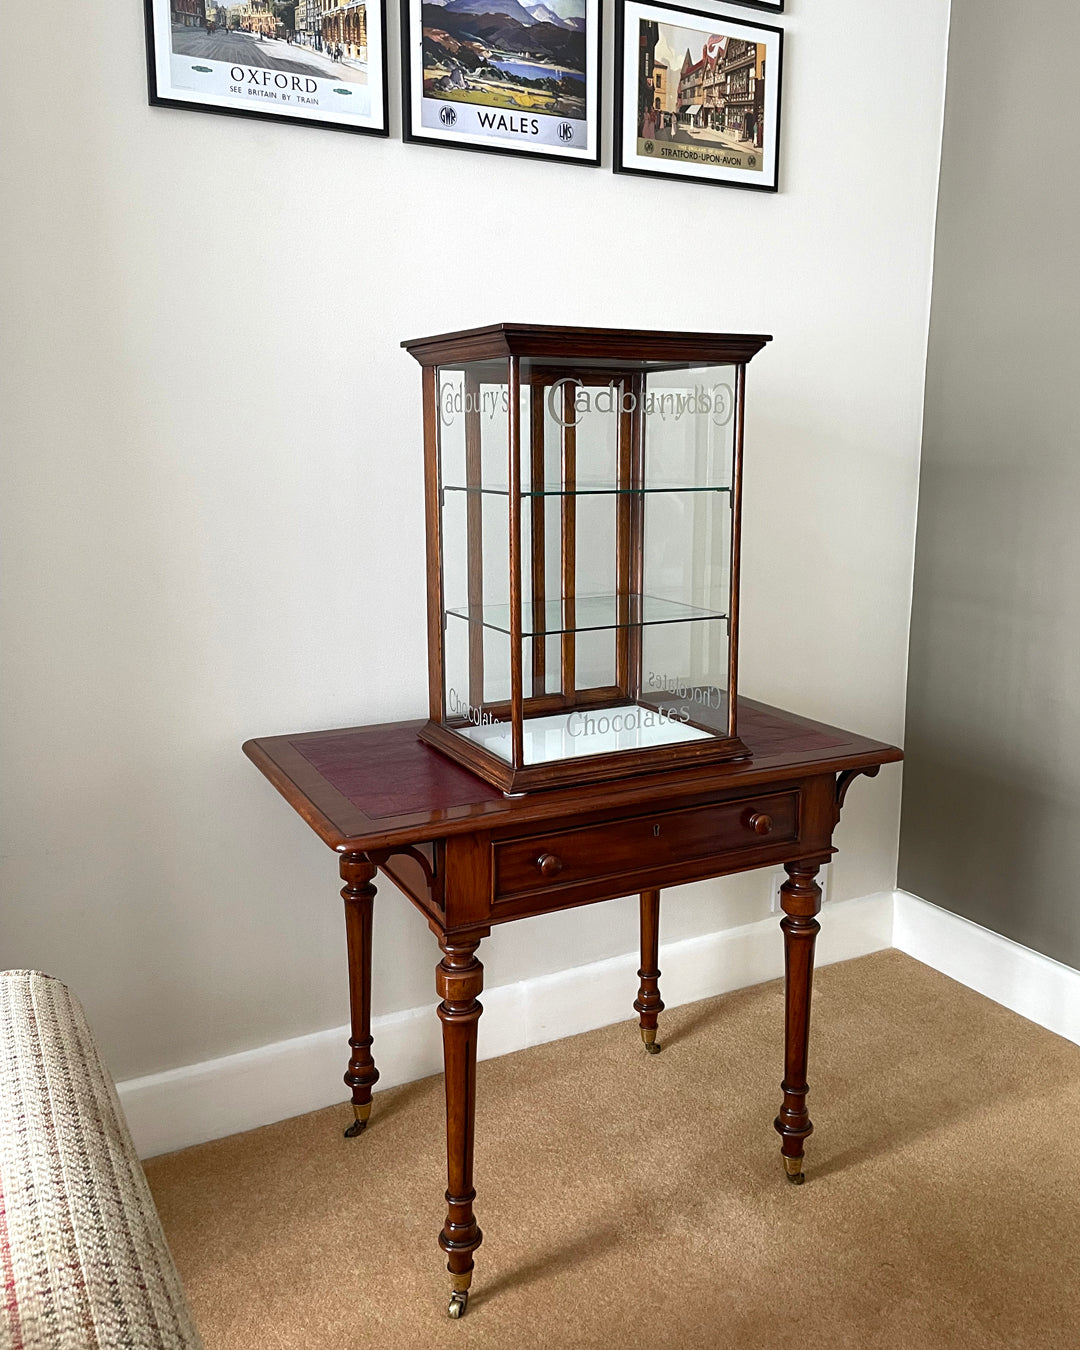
x: 583, y: 493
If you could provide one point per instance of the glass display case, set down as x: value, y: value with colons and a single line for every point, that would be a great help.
x: 583, y: 513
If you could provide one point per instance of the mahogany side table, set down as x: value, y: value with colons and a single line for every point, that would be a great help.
x: 468, y: 857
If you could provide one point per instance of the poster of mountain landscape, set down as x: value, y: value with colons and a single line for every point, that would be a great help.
x: 506, y: 75
x: 287, y: 60
x: 697, y: 96
x: 773, y: 6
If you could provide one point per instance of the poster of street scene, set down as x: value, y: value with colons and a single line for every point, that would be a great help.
x: 514, y: 76
x: 321, y: 62
x: 697, y: 96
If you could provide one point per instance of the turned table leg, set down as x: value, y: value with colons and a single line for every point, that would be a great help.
x: 648, y: 1004
x: 358, y: 893
x: 459, y: 977
x: 800, y: 899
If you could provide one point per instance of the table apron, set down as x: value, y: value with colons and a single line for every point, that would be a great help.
x: 493, y: 877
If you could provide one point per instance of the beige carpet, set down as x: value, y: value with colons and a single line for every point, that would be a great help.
x: 630, y: 1201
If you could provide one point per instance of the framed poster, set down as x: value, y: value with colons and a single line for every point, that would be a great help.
x: 286, y: 60
x: 697, y: 96
x: 518, y: 77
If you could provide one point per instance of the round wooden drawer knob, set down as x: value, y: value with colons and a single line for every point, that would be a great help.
x: 549, y: 864
x: 759, y: 822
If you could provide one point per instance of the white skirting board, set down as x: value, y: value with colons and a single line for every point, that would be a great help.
x: 1035, y: 986
x: 190, y: 1105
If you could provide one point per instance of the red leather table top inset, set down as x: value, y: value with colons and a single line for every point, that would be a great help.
x: 392, y: 776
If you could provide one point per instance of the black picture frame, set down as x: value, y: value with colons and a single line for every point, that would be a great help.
x: 549, y: 134
x: 742, y: 153
x: 770, y: 6
x: 301, y: 88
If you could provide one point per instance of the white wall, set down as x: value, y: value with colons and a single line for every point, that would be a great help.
x: 213, y: 497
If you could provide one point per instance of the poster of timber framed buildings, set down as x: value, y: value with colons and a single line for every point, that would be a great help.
x: 319, y: 62
x: 513, y: 76
x: 697, y: 96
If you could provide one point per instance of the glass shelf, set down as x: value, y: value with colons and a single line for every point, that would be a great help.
x: 584, y: 487
x: 590, y: 612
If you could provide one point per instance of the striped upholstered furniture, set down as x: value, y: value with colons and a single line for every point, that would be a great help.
x: 83, y: 1261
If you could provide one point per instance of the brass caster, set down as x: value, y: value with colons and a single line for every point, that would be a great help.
x: 648, y: 1035
x: 793, y: 1170
x: 459, y: 1301
x: 359, y: 1125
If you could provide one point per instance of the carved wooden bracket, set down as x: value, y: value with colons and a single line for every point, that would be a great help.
x: 427, y: 859
x: 845, y: 779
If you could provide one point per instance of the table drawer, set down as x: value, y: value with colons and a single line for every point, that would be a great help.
x: 547, y: 862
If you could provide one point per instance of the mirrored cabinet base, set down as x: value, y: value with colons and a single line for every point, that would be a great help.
x: 584, y: 493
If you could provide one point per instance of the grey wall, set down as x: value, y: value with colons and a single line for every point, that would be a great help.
x: 991, y: 803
